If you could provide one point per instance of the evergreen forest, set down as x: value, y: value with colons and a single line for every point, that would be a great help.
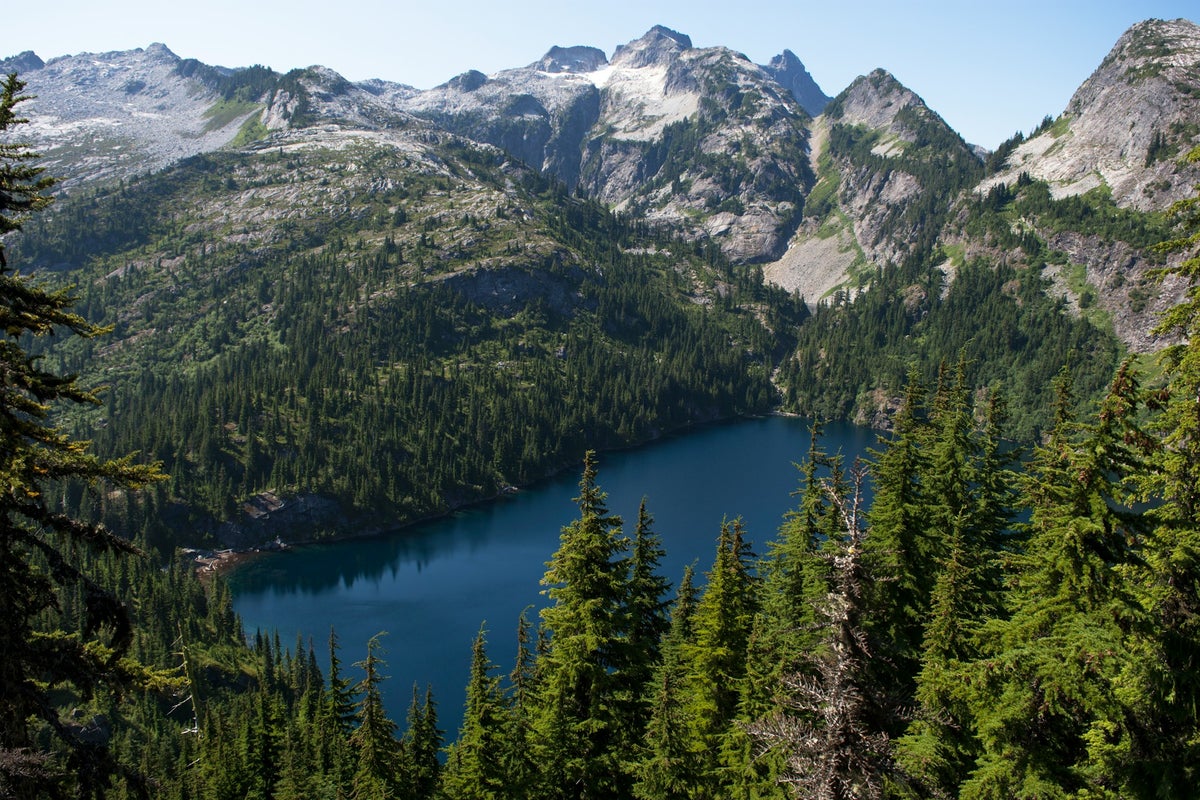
x: 993, y: 623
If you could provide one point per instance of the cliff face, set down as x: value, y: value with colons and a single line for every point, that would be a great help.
x: 1128, y: 124
x: 889, y: 171
x: 697, y: 138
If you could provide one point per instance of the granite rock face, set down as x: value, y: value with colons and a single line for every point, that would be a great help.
x: 1128, y: 125
x: 790, y: 73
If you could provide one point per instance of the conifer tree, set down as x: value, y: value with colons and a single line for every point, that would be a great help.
x: 715, y: 658
x: 373, y: 742
x: 832, y: 730
x: 38, y: 562
x: 474, y: 763
x: 518, y: 763
x: 576, y: 727
x: 646, y: 623
x: 1046, y: 675
x: 902, y: 545
x: 420, y: 746
x: 1160, y: 753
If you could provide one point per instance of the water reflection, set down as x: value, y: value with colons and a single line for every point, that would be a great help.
x: 432, y: 585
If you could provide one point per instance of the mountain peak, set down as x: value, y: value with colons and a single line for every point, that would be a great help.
x: 27, y: 61
x: 789, y: 72
x: 1128, y: 124
x: 571, y: 59
x: 657, y: 46
x: 872, y: 100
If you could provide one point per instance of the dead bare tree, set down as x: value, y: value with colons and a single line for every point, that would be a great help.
x: 828, y: 724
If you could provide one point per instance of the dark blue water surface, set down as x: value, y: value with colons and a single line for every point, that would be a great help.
x: 431, y: 586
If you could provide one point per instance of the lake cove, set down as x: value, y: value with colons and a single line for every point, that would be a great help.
x: 431, y: 586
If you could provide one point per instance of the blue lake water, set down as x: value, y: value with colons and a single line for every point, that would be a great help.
x: 431, y: 586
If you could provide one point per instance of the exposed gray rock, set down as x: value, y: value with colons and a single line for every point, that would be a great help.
x: 572, y: 59
x: 659, y: 46
x: 789, y: 71
x: 25, y: 62
x: 1146, y: 91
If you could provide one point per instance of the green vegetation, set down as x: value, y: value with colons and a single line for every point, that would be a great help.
x: 851, y: 350
x: 437, y: 339
x: 224, y: 112
x: 971, y: 632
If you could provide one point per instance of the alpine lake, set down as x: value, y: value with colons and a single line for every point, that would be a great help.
x: 432, y: 586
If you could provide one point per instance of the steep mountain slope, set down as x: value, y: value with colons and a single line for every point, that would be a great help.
x: 337, y: 328
x: 1127, y: 124
x: 889, y: 171
x: 1091, y: 185
x: 789, y: 72
x: 698, y: 138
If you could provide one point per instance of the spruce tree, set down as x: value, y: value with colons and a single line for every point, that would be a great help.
x: 474, y: 763
x: 1160, y: 754
x: 902, y: 544
x: 831, y: 731
x: 373, y: 742
x: 667, y: 767
x: 645, y: 623
x: 1045, y: 677
x: 715, y: 659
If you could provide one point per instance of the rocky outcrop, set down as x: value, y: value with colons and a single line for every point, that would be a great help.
x: 789, y: 72
x: 572, y: 59
x: 698, y: 138
x: 99, y: 116
x: 1128, y: 125
x: 21, y: 63
x: 893, y: 169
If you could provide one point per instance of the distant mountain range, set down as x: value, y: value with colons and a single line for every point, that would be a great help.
x: 191, y: 190
x: 697, y: 138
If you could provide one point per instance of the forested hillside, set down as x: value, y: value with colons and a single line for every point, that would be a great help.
x: 454, y: 325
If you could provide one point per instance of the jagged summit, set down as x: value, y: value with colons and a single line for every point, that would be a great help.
x: 578, y: 59
x: 873, y: 100
x: 660, y: 45
x: 790, y: 73
x: 27, y: 61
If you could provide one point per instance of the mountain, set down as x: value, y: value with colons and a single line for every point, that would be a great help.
x: 1127, y: 125
x: 1116, y: 150
x: 698, y: 138
x: 382, y: 302
x: 338, y: 328
x: 889, y: 170
x: 789, y: 72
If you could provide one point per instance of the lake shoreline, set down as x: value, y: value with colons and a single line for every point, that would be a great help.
x: 228, y: 560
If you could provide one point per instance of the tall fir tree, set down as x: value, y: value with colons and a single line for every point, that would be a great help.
x: 646, y: 624
x: 1159, y: 756
x: 667, y: 768
x: 1046, y: 673
x: 576, y: 728
x: 715, y: 660
x: 474, y: 763
x: 832, y: 729
x: 373, y: 741
x: 902, y: 545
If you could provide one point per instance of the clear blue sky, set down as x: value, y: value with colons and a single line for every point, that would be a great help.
x: 989, y: 68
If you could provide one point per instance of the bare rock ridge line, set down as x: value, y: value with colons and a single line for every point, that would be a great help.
x: 756, y: 158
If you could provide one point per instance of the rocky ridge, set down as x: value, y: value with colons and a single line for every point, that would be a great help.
x: 697, y: 139
x: 1127, y: 125
x: 102, y: 116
